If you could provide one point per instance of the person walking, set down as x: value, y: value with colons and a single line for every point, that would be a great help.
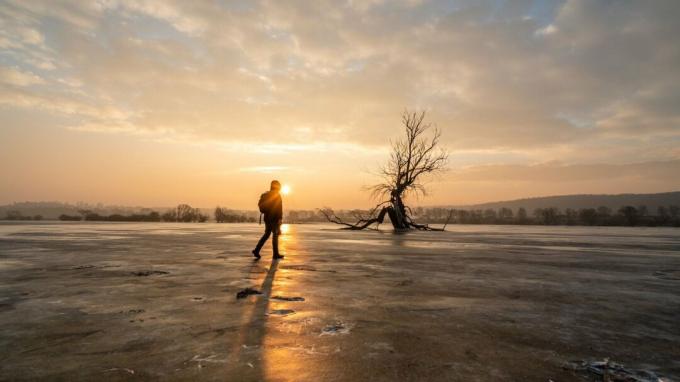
x: 271, y: 206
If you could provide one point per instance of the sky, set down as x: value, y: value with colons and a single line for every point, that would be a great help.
x: 156, y: 103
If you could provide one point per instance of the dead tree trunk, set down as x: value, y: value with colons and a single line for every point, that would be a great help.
x: 397, y: 212
x: 412, y: 158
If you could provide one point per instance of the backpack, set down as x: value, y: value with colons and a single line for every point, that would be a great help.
x: 264, y: 204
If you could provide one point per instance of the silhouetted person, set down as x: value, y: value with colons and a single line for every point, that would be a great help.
x: 271, y: 206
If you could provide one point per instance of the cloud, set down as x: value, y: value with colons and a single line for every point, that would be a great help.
x: 15, y: 77
x: 263, y: 169
x: 547, y: 30
x: 565, y: 173
x: 574, y: 82
x: 487, y: 183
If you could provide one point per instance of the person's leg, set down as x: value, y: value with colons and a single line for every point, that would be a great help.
x: 263, y: 239
x: 275, y: 241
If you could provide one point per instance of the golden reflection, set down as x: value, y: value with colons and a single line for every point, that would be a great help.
x: 288, y: 352
x: 271, y: 346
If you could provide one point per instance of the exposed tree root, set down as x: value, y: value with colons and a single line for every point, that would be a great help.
x: 359, y: 225
x: 366, y: 223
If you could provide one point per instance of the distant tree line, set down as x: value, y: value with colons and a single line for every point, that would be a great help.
x: 65, y: 217
x: 183, y: 213
x: 91, y: 216
x: 224, y: 215
x: 16, y: 215
x: 601, y: 216
x: 309, y: 216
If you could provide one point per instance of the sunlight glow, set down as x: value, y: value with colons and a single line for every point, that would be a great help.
x: 285, y: 189
x: 285, y: 228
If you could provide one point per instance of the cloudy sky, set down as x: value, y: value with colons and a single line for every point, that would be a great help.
x: 159, y: 102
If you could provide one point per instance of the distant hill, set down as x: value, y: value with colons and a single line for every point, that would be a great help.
x: 652, y: 201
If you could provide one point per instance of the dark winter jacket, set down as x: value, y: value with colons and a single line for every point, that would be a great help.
x: 275, y: 211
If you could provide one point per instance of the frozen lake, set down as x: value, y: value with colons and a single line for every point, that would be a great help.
x: 125, y: 301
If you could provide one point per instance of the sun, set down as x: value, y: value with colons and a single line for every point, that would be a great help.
x: 285, y: 189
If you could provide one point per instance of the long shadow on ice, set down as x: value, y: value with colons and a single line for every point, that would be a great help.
x: 245, y: 360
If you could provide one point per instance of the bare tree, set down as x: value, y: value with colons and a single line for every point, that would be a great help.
x: 413, y: 158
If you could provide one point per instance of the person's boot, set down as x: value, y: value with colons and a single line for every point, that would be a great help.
x: 257, y: 255
x: 278, y: 257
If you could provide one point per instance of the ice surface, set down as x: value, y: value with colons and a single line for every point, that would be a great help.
x: 123, y: 301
